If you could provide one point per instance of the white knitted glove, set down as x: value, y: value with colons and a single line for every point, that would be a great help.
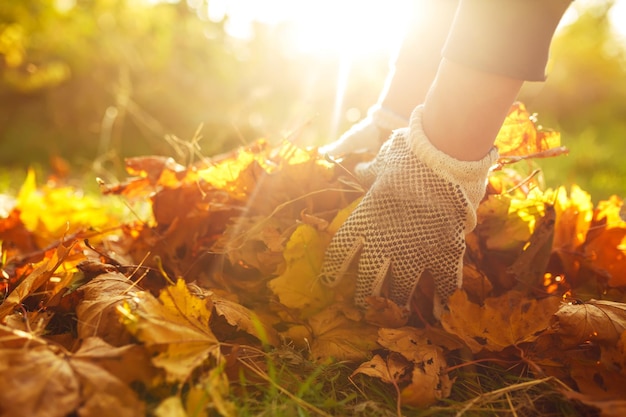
x: 413, y: 218
x: 368, y: 134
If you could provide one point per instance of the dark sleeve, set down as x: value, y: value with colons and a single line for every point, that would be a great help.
x: 506, y: 37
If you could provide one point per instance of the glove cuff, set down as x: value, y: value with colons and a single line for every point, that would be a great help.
x: 386, y: 119
x: 471, y: 176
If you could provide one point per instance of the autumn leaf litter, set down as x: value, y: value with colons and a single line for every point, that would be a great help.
x: 165, y: 314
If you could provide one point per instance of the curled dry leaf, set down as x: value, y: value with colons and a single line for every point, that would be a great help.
x: 391, y: 370
x: 40, y: 276
x: 246, y: 320
x: 595, y: 320
x: 415, y: 366
x: 429, y: 381
x: 500, y: 322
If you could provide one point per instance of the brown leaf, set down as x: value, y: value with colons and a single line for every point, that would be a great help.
x: 245, y: 319
x: 130, y: 363
x: 428, y: 381
x: 595, y: 320
x: 43, y: 382
x: 607, y: 253
x: 338, y: 333
x: 383, y: 312
x: 607, y: 408
x: 391, y: 370
x: 97, y: 313
x: 104, y: 394
x: 36, y: 382
x: 615, y: 356
x: 500, y: 322
x: 596, y: 380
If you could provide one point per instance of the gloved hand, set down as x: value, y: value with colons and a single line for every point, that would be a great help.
x: 414, y: 218
x: 368, y: 134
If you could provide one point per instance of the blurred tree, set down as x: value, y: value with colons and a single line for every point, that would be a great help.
x: 108, y: 75
x: 585, y: 98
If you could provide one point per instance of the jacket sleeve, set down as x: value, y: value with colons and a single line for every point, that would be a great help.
x: 507, y: 37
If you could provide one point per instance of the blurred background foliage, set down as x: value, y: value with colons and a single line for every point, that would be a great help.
x: 93, y: 81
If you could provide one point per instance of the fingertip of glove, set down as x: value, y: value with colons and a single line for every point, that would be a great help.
x: 328, y: 280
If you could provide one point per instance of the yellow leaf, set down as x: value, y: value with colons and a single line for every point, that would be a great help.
x: 298, y: 286
x: 52, y: 212
x: 520, y: 136
x: 172, y: 407
x: 500, y: 322
x: 176, y: 327
x: 212, y: 393
x: 573, y: 217
x: 506, y: 223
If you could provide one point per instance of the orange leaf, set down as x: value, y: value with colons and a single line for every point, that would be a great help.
x: 500, y: 322
x: 519, y: 134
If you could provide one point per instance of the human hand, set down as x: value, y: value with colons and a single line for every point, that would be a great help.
x: 368, y: 134
x: 414, y: 218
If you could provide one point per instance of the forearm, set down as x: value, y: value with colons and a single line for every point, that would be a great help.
x: 494, y: 45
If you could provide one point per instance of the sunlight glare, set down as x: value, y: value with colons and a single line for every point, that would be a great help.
x: 322, y: 27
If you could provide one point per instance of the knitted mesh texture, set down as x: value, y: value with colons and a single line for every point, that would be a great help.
x: 413, y: 218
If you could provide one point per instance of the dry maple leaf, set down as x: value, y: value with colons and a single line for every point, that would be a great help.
x: 500, y: 322
x: 594, y: 320
x: 428, y: 381
x: 45, y: 382
x: 175, y: 326
x: 339, y: 333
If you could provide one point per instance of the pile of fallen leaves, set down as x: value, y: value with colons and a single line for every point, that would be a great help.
x: 162, y: 311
